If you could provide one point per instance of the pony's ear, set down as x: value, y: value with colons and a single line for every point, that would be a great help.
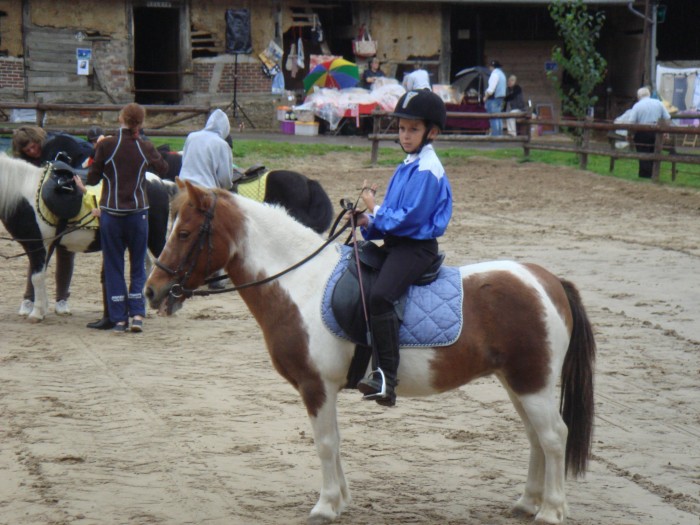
x: 197, y: 195
x: 179, y: 183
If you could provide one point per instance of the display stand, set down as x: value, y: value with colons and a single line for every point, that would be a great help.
x: 235, y: 105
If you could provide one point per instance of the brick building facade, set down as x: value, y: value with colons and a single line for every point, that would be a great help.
x: 183, y: 43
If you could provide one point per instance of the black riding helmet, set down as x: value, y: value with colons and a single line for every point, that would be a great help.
x: 421, y: 104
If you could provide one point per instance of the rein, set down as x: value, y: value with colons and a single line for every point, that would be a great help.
x: 178, y: 290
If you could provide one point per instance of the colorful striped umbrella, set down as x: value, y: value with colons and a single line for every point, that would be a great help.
x: 338, y: 73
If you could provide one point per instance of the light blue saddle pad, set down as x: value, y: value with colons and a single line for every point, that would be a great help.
x: 433, y: 314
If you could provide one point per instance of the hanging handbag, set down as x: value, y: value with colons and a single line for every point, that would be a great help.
x: 364, y: 46
x: 291, y: 58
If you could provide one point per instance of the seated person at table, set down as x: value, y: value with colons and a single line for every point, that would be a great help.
x: 371, y: 74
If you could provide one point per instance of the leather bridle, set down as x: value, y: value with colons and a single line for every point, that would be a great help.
x: 186, y: 267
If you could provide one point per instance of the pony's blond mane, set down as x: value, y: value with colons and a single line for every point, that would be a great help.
x: 18, y: 179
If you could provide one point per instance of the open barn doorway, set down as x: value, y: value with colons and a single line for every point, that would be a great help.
x: 157, y: 75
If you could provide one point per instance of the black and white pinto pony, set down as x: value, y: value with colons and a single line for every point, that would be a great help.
x: 520, y: 323
x: 19, y: 184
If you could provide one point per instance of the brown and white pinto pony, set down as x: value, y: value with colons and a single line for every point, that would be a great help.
x: 521, y: 323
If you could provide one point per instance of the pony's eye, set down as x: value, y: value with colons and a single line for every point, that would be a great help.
x: 183, y: 235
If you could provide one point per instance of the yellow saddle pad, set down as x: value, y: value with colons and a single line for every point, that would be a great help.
x: 254, y: 189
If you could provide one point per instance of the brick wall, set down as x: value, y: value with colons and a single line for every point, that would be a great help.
x: 111, y: 70
x: 216, y: 76
x: 213, y: 79
x: 12, y: 76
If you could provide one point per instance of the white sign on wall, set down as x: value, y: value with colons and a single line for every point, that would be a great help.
x: 83, y: 67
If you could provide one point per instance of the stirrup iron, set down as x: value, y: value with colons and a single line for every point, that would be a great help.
x: 382, y: 393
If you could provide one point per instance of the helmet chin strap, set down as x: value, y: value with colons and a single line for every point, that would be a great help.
x: 423, y: 142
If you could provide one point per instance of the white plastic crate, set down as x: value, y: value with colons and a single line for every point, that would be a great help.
x: 305, y: 128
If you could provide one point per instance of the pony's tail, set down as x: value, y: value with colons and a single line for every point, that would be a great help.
x: 576, y: 405
x: 320, y: 207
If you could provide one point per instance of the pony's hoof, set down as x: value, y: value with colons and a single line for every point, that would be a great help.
x: 525, y: 507
x: 551, y: 516
x: 26, y: 308
x: 34, y: 319
x: 62, y: 308
x: 319, y: 520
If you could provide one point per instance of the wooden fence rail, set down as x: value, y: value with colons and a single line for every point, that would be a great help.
x: 42, y: 109
x: 674, y: 154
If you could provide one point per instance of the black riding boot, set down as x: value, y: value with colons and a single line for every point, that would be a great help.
x: 105, y: 323
x: 385, y: 339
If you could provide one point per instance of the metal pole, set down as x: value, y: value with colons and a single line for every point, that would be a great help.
x: 652, y: 51
x: 235, y: 88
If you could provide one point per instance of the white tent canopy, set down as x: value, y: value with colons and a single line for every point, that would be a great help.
x: 679, y: 84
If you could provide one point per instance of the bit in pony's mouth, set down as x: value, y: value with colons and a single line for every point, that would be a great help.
x: 170, y: 305
x: 165, y: 303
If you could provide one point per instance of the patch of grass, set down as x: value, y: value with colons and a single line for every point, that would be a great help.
x: 262, y: 150
x: 688, y: 175
x: 247, y: 152
x: 252, y: 151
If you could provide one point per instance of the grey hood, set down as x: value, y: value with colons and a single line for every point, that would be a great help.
x: 218, y: 123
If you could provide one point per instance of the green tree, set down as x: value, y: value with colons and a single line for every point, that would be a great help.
x: 579, y: 29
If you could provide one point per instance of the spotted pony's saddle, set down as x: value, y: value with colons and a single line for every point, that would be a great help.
x: 60, y: 203
x: 59, y: 191
x: 430, y: 312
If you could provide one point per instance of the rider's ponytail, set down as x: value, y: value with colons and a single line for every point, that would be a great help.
x: 132, y: 116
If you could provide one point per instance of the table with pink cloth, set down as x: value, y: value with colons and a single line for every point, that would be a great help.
x: 333, y: 105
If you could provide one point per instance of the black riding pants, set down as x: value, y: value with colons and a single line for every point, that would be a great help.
x: 407, y: 259
x: 644, y: 142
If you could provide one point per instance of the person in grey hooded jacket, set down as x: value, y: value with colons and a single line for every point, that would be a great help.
x: 207, y: 159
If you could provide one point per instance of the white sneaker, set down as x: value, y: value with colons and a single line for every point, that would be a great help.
x: 26, y: 307
x: 62, y: 308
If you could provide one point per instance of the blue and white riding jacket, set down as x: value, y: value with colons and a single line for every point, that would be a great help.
x: 418, y: 200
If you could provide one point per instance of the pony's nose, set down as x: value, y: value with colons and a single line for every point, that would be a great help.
x: 149, y: 293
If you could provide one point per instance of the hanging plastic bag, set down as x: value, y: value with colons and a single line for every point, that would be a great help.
x: 300, y: 54
x: 291, y: 57
x: 278, y: 82
x: 317, y: 31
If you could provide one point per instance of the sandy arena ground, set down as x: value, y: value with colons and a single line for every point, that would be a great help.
x: 188, y: 423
